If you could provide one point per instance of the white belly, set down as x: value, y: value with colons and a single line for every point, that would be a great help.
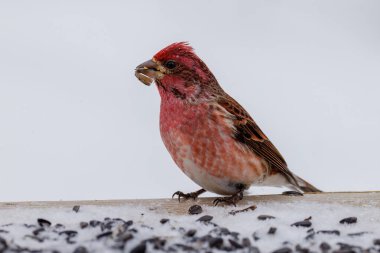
x: 209, y: 182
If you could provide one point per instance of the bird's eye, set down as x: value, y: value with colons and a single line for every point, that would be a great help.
x: 170, y: 64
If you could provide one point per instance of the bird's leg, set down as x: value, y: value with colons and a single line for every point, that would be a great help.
x: 231, y: 200
x: 191, y: 195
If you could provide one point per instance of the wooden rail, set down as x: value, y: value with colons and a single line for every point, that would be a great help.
x: 172, y: 205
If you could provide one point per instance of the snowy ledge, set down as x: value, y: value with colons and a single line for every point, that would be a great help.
x: 309, y: 223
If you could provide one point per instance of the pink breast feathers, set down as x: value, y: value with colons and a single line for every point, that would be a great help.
x: 200, y: 141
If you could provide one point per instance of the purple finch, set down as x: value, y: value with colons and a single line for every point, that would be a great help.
x: 209, y: 135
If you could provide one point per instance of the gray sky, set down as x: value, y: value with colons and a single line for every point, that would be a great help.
x: 76, y: 124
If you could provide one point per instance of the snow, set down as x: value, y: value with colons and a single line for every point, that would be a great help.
x: 147, y: 222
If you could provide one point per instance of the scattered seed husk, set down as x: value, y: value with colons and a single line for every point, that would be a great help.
x: 301, y: 249
x: 215, y: 242
x: 94, y: 223
x: 265, y: 217
x: 331, y: 232
x: 146, y: 226
x: 43, y: 222
x: 80, y: 249
x: 324, y: 246
x: 205, y: 218
x: 29, y: 226
x: 344, y: 251
x: 191, y: 232
x: 283, y: 250
x: 140, y: 248
x: 235, y: 235
x: 69, y: 233
x: 157, y: 242
x: 347, y: 247
x: 310, y: 236
x: 204, y: 238
x: 59, y: 226
x: 223, y: 231
x: 3, y: 244
x: 83, y: 224
x: 246, y: 242
x: 304, y: 223
x: 250, y: 208
x: 105, y: 234
x: 76, y: 208
x: 38, y: 230
x: 33, y: 237
x: 125, y: 237
x: 358, y: 234
x: 255, y: 236
x: 182, y: 230
x: 235, y: 244
x: 184, y: 247
x: 348, y: 220
x: 133, y: 230
x: 108, y: 225
x: 272, y: 230
x: 195, y: 209
x: 6, y: 225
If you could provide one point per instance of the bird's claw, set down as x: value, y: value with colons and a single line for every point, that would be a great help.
x: 231, y: 200
x: 180, y: 194
x: 186, y: 196
x: 226, y: 200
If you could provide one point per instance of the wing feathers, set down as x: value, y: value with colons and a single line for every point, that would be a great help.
x: 249, y: 134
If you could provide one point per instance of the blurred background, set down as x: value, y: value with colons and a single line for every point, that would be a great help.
x: 75, y: 123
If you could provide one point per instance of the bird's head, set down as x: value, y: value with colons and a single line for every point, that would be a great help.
x: 178, y: 71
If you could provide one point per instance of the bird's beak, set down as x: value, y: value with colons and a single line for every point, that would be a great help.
x: 147, y: 72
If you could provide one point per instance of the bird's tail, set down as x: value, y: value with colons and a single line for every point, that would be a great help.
x: 305, y: 186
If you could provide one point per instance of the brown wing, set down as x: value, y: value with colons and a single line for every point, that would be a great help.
x: 248, y: 133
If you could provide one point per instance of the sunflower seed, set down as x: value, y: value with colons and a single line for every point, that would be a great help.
x: 304, y: 223
x: 206, y: 218
x: 43, y: 222
x: 265, y: 217
x: 76, y: 208
x: 195, y: 209
x: 215, y: 242
x: 331, y: 232
x: 272, y: 230
x: 80, y: 249
x: 324, y: 246
x: 283, y: 250
x: 349, y: 220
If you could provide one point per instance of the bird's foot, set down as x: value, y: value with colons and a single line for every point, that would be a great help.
x: 231, y: 200
x: 191, y: 195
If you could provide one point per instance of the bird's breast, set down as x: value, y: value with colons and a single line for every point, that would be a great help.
x: 200, y: 141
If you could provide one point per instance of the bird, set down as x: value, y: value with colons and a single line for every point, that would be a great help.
x: 208, y: 134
